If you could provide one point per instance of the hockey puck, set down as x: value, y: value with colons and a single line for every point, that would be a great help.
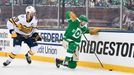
x: 110, y: 70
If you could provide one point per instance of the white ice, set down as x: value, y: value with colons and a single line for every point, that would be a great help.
x: 20, y: 67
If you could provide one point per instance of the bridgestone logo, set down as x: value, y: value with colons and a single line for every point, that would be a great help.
x: 111, y: 48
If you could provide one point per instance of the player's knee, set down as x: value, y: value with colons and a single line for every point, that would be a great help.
x: 72, y: 47
x: 72, y: 64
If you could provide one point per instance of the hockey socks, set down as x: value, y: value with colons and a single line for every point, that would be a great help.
x: 28, y: 56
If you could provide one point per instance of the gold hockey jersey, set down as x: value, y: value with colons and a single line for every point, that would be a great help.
x: 21, y: 26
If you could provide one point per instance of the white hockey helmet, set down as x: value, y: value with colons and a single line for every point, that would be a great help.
x: 30, y: 9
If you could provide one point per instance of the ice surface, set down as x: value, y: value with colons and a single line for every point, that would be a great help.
x: 20, y: 67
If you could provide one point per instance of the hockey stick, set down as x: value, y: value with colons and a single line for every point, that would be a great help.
x: 95, y: 53
x: 97, y: 56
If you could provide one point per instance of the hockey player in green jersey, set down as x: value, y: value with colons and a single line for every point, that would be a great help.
x: 72, y: 38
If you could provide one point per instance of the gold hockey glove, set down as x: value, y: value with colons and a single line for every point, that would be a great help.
x: 94, y: 31
x: 14, y: 35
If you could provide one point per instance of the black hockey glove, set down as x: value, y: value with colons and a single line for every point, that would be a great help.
x: 36, y: 36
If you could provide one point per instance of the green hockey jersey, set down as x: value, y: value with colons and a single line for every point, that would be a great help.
x: 74, y: 31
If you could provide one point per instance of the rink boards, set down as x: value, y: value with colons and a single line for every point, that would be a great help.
x: 115, y: 49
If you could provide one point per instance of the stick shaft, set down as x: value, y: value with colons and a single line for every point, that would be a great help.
x: 95, y: 54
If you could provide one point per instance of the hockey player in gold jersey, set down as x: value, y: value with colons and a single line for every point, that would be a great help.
x: 22, y: 28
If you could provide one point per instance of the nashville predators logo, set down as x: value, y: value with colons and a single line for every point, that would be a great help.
x: 24, y: 28
x: 21, y: 27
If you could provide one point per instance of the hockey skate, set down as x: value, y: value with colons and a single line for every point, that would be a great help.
x: 28, y: 58
x: 6, y: 63
x: 58, y: 62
